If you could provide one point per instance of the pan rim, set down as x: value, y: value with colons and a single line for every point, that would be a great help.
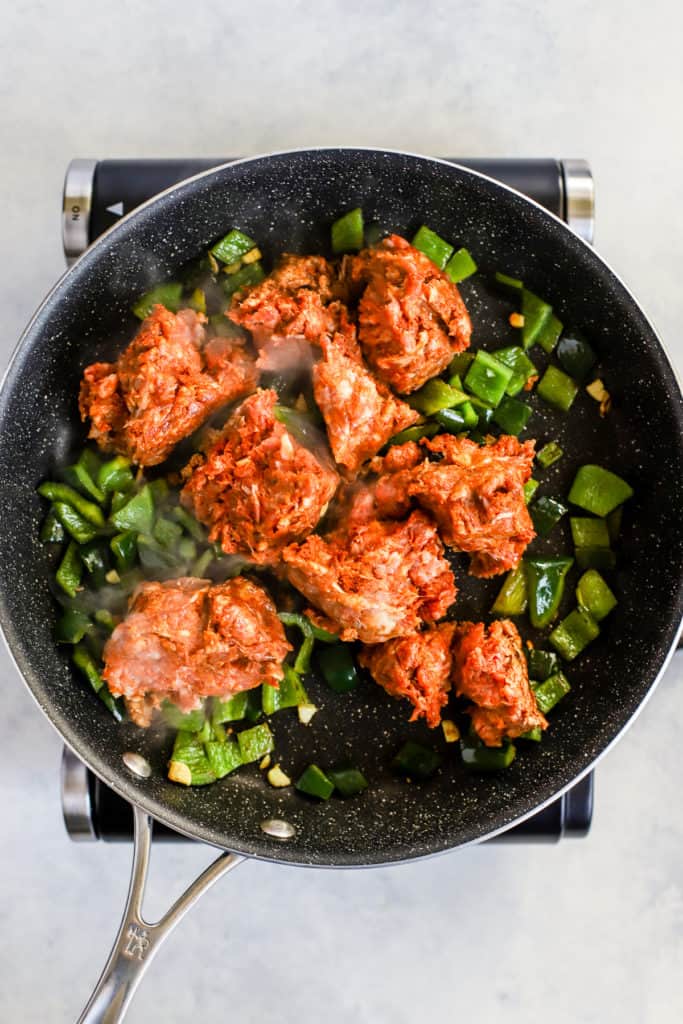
x: 152, y: 805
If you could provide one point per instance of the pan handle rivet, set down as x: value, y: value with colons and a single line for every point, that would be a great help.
x: 137, y: 764
x: 277, y: 828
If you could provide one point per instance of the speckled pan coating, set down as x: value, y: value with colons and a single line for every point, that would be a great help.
x: 288, y: 201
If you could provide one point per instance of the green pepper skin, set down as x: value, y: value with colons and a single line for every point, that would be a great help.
x: 574, y: 633
x: 94, y: 558
x: 168, y: 295
x: 546, y: 514
x: 550, y: 691
x: 190, y: 721
x: 338, y: 668
x: 52, y: 531
x: 549, y: 454
x: 347, y: 232
x: 479, y: 758
x: 233, y: 246
x: 115, y: 475
x: 415, y: 761
x: 557, y: 389
x: 593, y: 594
x: 576, y: 356
x: 137, y: 514
x: 124, y: 547
x: 602, y: 559
x: 549, y: 333
x: 512, y: 597
x: 487, y: 378
x: 70, y: 571
x: 598, y: 490
x: 452, y: 420
x: 535, y: 312
x: 542, y: 664
x: 234, y: 709
x: 415, y: 433
x: 189, y: 750
x: 314, y: 782
x: 520, y: 364
x: 63, y: 494
x: 348, y: 781
x: 75, y: 525
x: 589, y: 533
x: 79, y: 477
x: 460, y: 266
x: 545, y: 586
x: 435, y: 395
x: 255, y: 743
x: 223, y: 757
x: 289, y: 694
x: 251, y: 273
x: 72, y: 627
x: 432, y: 246
x: 512, y: 415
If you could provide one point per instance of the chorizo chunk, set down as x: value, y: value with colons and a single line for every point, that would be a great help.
x: 296, y: 299
x: 489, y: 667
x: 375, y: 581
x: 163, y: 387
x: 257, y: 488
x: 411, y: 317
x: 417, y: 667
x: 360, y: 412
x: 185, y: 639
x: 476, y: 495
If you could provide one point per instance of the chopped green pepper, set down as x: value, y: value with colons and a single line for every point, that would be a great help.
x: 557, y: 389
x: 289, y: 694
x: 348, y: 781
x: 254, y: 708
x: 549, y: 692
x: 453, y: 420
x: 234, y: 709
x: 52, y: 531
x: 72, y: 627
x: 545, y: 585
x: 549, y: 454
x: 415, y: 761
x: 74, y: 523
x: 187, y: 549
x: 118, y: 500
x: 70, y: 571
x: 84, y: 661
x: 251, y: 273
x: 125, y: 548
x: 433, y: 246
x: 188, y: 522
x: 589, y: 533
x: 303, y: 623
x: 347, y: 232
x: 576, y: 356
x: 512, y: 415
x: 415, y: 433
x: 167, y: 532
x: 436, y: 395
x: 255, y: 743
x: 530, y: 488
x: 512, y: 597
x: 546, y: 514
x: 535, y: 312
x: 602, y: 559
x: 188, y: 749
x: 233, y: 247
x: 79, y: 475
x: 460, y: 266
x: 94, y: 558
x: 542, y: 664
x: 550, y: 331
x: 520, y: 364
x: 480, y: 758
x: 115, y: 475
x: 190, y: 721
x: 535, y: 735
x: 63, y: 494
x: 168, y: 295
x: 137, y: 514
x: 223, y: 757
x: 598, y: 490
x: 338, y: 668
x: 593, y: 594
x: 103, y: 617
x: 488, y: 378
x: 509, y: 282
x: 460, y: 364
x: 574, y: 633
x: 153, y: 556
x: 315, y: 783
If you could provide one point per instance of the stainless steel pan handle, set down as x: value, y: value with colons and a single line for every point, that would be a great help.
x: 137, y: 940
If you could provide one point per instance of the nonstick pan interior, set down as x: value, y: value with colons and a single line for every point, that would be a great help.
x: 287, y: 202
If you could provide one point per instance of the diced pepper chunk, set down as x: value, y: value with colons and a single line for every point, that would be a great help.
x: 224, y: 757
x: 546, y: 514
x: 550, y: 331
x: 347, y: 232
x: 574, y: 633
x: 598, y: 490
x: 72, y: 627
x: 557, y: 389
x: 593, y: 594
x: 589, y: 533
x: 231, y: 248
x: 314, y: 782
x: 338, y: 668
x: 70, y: 571
x: 255, y: 742
x: 602, y: 559
x: 416, y: 761
x: 480, y: 758
x: 137, y: 514
x: 348, y: 781
x: 520, y: 364
x: 512, y: 597
x: 576, y: 356
x: 487, y: 378
x: 512, y: 415
x: 535, y: 312
x: 188, y: 750
x: 436, y: 395
x: 433, y: 246
x: 289, y: 694
x: 168, y: 295
x: 542, y: 664
x: 549, y: 454
x: 190, y: 721
x: 460, y: 266
x: 234, y: 709
x: 549, y: 692
x: 545, y: 585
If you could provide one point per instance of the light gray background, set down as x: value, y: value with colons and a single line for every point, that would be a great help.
x: 582, y: 932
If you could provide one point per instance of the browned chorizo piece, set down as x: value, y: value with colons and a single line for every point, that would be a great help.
x: 377, y: 580
x: 167, y: 383
x: 185, y: 639
x: 417, y: 667
x: 476, y: 495
x: 411, y: 317
x: 256, y: 487
x: 489, y: 667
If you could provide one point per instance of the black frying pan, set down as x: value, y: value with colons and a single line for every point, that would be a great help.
x: 288, y: 201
